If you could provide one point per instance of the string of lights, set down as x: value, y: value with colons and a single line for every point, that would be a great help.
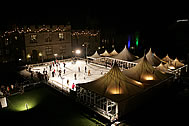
x: 29, y: 30
x: 85, y: 33
x: 44, y: 29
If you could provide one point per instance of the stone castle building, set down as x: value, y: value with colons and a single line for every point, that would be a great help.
x: 47, y: 42
x: 38, y: 43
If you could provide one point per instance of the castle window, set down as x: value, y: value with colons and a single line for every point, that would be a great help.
x: 61, y: 36
x: 33, y: 38
x: 48, y: 50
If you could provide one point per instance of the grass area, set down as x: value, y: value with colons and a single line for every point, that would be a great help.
x: 45, y: 106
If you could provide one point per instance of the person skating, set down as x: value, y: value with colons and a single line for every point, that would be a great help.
x: 85, y: 69
x: 75, y: 76
x: 50, y: 66
x: 78, y: 69
x: 53, y: 73
x: 59, y: 75
x: 73, y: 86
x: 89, y: 72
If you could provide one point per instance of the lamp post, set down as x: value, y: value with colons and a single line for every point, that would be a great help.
x: 78, y: 52
x: 85, y: 44
x: 55, y: 55
x: 41, y: 56
x: 29, y: 57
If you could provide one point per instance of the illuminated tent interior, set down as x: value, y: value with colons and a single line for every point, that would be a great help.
x: 125, y: 55
x: 151, y: 57
x: 109, y: 91
x: 169, y: 65
x: 174, y: 64
x: 145, y: 72
x: 105, y: 53
x: 95, y: 55
x: 113, y: 53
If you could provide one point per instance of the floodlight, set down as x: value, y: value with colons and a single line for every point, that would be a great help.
x: 77, y: 51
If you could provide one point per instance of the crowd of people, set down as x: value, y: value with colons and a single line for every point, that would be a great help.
x: 55, y: 69
x: 10, y: 88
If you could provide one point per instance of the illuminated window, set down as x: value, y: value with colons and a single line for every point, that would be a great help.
x: 48, y: 50
x: 33, y: 38
x: 61, y: 36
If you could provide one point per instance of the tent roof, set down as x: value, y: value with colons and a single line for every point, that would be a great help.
x: 125, y: 55
x: 162, y: 68
x: 145, y: 72
x: 177, y: 63
x: 105, y: 53
x: 152, y: 58
x: 167, y: 58
x: 95, y: 55
x: 114, y: 85
x: 113, y: 53
x: 169, y: 65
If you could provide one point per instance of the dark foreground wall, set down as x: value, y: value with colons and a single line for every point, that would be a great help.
x: 127, y: 106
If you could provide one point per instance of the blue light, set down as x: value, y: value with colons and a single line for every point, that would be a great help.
x: 129, y: 42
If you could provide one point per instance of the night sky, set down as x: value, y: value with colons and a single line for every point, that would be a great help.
x: 154, y: 21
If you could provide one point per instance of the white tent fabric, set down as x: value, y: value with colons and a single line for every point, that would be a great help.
x: 167, y: 59
x: 114, y: 85
x: 152, y: 58
x: 144, y: 72
x: 162, y: 68
x: 113, y: 53
x: 105, y: 53
x: 169, y: 65
x: 177, y: 63
x: 125, y: 55
x: 95, y: 55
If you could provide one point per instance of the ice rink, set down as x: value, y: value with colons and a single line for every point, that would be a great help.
x: 66, y: 80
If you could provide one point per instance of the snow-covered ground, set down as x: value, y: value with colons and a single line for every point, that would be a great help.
x: 71, y: 68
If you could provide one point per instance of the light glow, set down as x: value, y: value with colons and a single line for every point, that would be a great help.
x: 171, y: 67
x: 129, y: 42
x: 137, y: 39
x: 183, y: 20
x: 28, y: 56
x: 116, y: 91
x: 77, y: 51
x: 40, y: 54
x: 138, y: 83
x: 148, y: 77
